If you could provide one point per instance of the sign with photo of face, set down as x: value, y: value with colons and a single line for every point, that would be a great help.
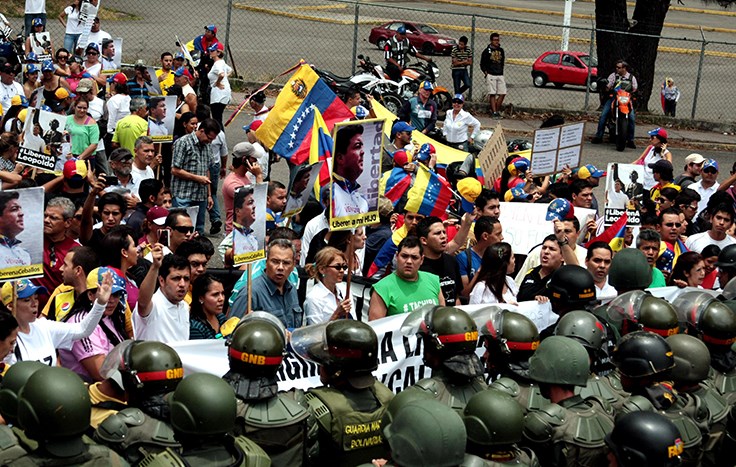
x: 301, y: 185
x: 21, y: 233
x: 624, y: 193
x: 43, y: 139
x: 249, y: 223
x: 110, y: 56
x: 356, y: 170
x: 161, y: 119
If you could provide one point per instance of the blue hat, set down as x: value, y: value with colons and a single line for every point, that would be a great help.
x: 360, y: 112
x: 179, y: 55
x: 711, y: 164
x: 425, y: 152
x: 427, y: 86
x: 46, y: 108
x: 401, y: 126
x: 401, y: 30
x: 37, y: 22
x: 458, y: 97
x: 560, y: 209
x: 31, y: 68
x: 92, y: 46
x: 517, y: 193
x: 23, y: 289
x: 47, y: 65
x: 32, y: 57
x: 211, y: 27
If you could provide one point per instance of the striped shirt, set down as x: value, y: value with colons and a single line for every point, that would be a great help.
x: 398, y: 50
x: 461, y: 56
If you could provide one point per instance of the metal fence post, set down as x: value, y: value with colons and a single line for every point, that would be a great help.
x: 355, y: 36
x: 227, y: 28
x: 590, y: 58
x: 700, y: 72
x: 472, y: 47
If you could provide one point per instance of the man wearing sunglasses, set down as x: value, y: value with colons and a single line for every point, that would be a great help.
x: 707, y: 185
x: 180, y: 228
x: 669, y: 226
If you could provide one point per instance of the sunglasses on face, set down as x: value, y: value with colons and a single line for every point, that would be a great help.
x: 339, y: 267
x: 710, y: 171
x: 183, y: 229
x: 673, y: 224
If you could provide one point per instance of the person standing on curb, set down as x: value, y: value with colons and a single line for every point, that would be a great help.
x: 462, y: 57
x: 491, y: 64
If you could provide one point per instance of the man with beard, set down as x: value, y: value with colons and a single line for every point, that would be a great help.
x: 121, y: 163
x: 164, y: 315
x: 11, y: 225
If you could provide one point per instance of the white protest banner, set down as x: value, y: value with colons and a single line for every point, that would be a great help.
x: 557, y: 147
x: 525, y: 224
x: 622, y: 196
x: 87, y: 14
x: 43, y: 138
x: 493, y: 156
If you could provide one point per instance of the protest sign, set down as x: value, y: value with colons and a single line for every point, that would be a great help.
x: 43, y: 138
x: 623, y: 197
x: 557, y: 147
x: 152, y: 84
x: 525, y: 224
x: 493, y: 156
x: 249, y: 224
x: 41, y: 45
x: 21, y: 251
x: 110, y: 56
x: 301, y: 178
x: 161, y: 119
x: 87, y: 14
x: 356, y: 169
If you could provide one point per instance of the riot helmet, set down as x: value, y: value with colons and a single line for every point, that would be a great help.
x: 641, y: 354
x: 13, y: 381
x: 571, y: 286
x: 493, y: 418
x: 344, y: 347
x: 692, y: 359
x: 257, y: 346
x: 584, y: 327
x: 629, y: 271
x: 560, y: 360
x: 54, y: 408
x: 706, y: 317
x: 510, y: 338
x: 645, y: 438
x: 426, y: 433
x: 147, y: 368
x: 400, y: 400
x: 640, y: 311
x: 203, y: 405
x: 727, y: 258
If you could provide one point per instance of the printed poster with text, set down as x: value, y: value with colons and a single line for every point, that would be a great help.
x: 43, y: 140
x: 249, y: 224
x: 21, y: 251
x: 555, y: 148
x: 624, y: 192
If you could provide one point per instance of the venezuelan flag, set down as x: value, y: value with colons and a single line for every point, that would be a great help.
x: 287, y: 130
x: 613, y: 235
x: 430, y: 195
x: 320, y: 149
x: 396, y: 184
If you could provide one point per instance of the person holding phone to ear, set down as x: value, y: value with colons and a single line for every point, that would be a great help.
x: 245, y: 170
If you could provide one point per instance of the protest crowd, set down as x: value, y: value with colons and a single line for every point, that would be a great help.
x: 607, y: 340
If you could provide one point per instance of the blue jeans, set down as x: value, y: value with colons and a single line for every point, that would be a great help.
x: 604, y: 115
x: 28, y: 26
x: 460, y: 80
x: 214, y: 181
x: 70, y: 42
x: 186, y: 203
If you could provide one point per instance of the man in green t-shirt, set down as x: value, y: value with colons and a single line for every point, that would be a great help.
x: 648, y: 243
x: 407, y: 287
x: 129, y: 128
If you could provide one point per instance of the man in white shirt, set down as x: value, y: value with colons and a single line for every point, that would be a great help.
x: 721, y: 221
x: 145, y: 154
x: 598, y: 262
x: 121, y: 163
x: 164, y: 315
x: 97, y: 35
x: 8, y: 86
x: 707, y: 185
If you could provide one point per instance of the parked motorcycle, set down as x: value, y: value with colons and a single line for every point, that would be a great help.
x: 11, y: 48
x: 618, y: 119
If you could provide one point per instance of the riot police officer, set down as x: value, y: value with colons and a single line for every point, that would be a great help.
x: 570, y: 288
x: 350, y: 405
x: 584, y: 327
x: 13, y: 442
x: 644, y: 439
x: 570, y: 430
x: 641, y: 311
x: 203, y: 412
x: 629, y: 271
x: 645, y: 361
x: 726, y: 265
x: 510, y: 339
x: 149, y: 371
x: 59, y: 433
x: 278, y: 423
x: 450, y: 337
x: 494, y: 422
x: 714, y: 323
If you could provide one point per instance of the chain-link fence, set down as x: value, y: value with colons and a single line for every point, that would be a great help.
x: 265, y: 38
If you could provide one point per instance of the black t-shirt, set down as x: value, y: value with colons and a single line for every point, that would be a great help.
x: 449, y: 273
x: 532, y: 285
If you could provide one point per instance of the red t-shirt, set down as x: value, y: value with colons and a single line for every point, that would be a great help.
x: 52, y: 269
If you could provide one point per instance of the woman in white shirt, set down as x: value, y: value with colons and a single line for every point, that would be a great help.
x: 38, y: 339
x: 220, y: 92
x: 73, y: 23
x: 494, y: 284
x: 460, y: 127
x: 327, y: 300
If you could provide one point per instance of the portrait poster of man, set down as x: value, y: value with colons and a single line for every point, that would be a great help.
x: 43, y: 139
x: 21, y: 233
x: 152, y: 84
x: 249, y: 223
x: 356, y: 169
x: 301, y: 183
x: 161, y: 118
x: 624, y: 193
x: 41, y: 45
x: 110, y: 55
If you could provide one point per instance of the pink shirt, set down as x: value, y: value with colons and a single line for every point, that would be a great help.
x: 96, y: 344
x: 231, y: 182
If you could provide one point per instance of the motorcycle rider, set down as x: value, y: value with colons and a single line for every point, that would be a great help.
x: 395, y: 52
x: 421, y: 110
x: 621, y: 77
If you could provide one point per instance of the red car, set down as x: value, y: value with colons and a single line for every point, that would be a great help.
x: 425, y: 38
x: 565, y: 67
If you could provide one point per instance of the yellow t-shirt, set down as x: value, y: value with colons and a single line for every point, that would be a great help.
x: 166, y: 83
x: 99, y: 414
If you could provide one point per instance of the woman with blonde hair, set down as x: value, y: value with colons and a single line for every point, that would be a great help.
x: 327, y: 301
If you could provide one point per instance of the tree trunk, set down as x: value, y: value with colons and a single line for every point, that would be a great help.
x: 610, y: 15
